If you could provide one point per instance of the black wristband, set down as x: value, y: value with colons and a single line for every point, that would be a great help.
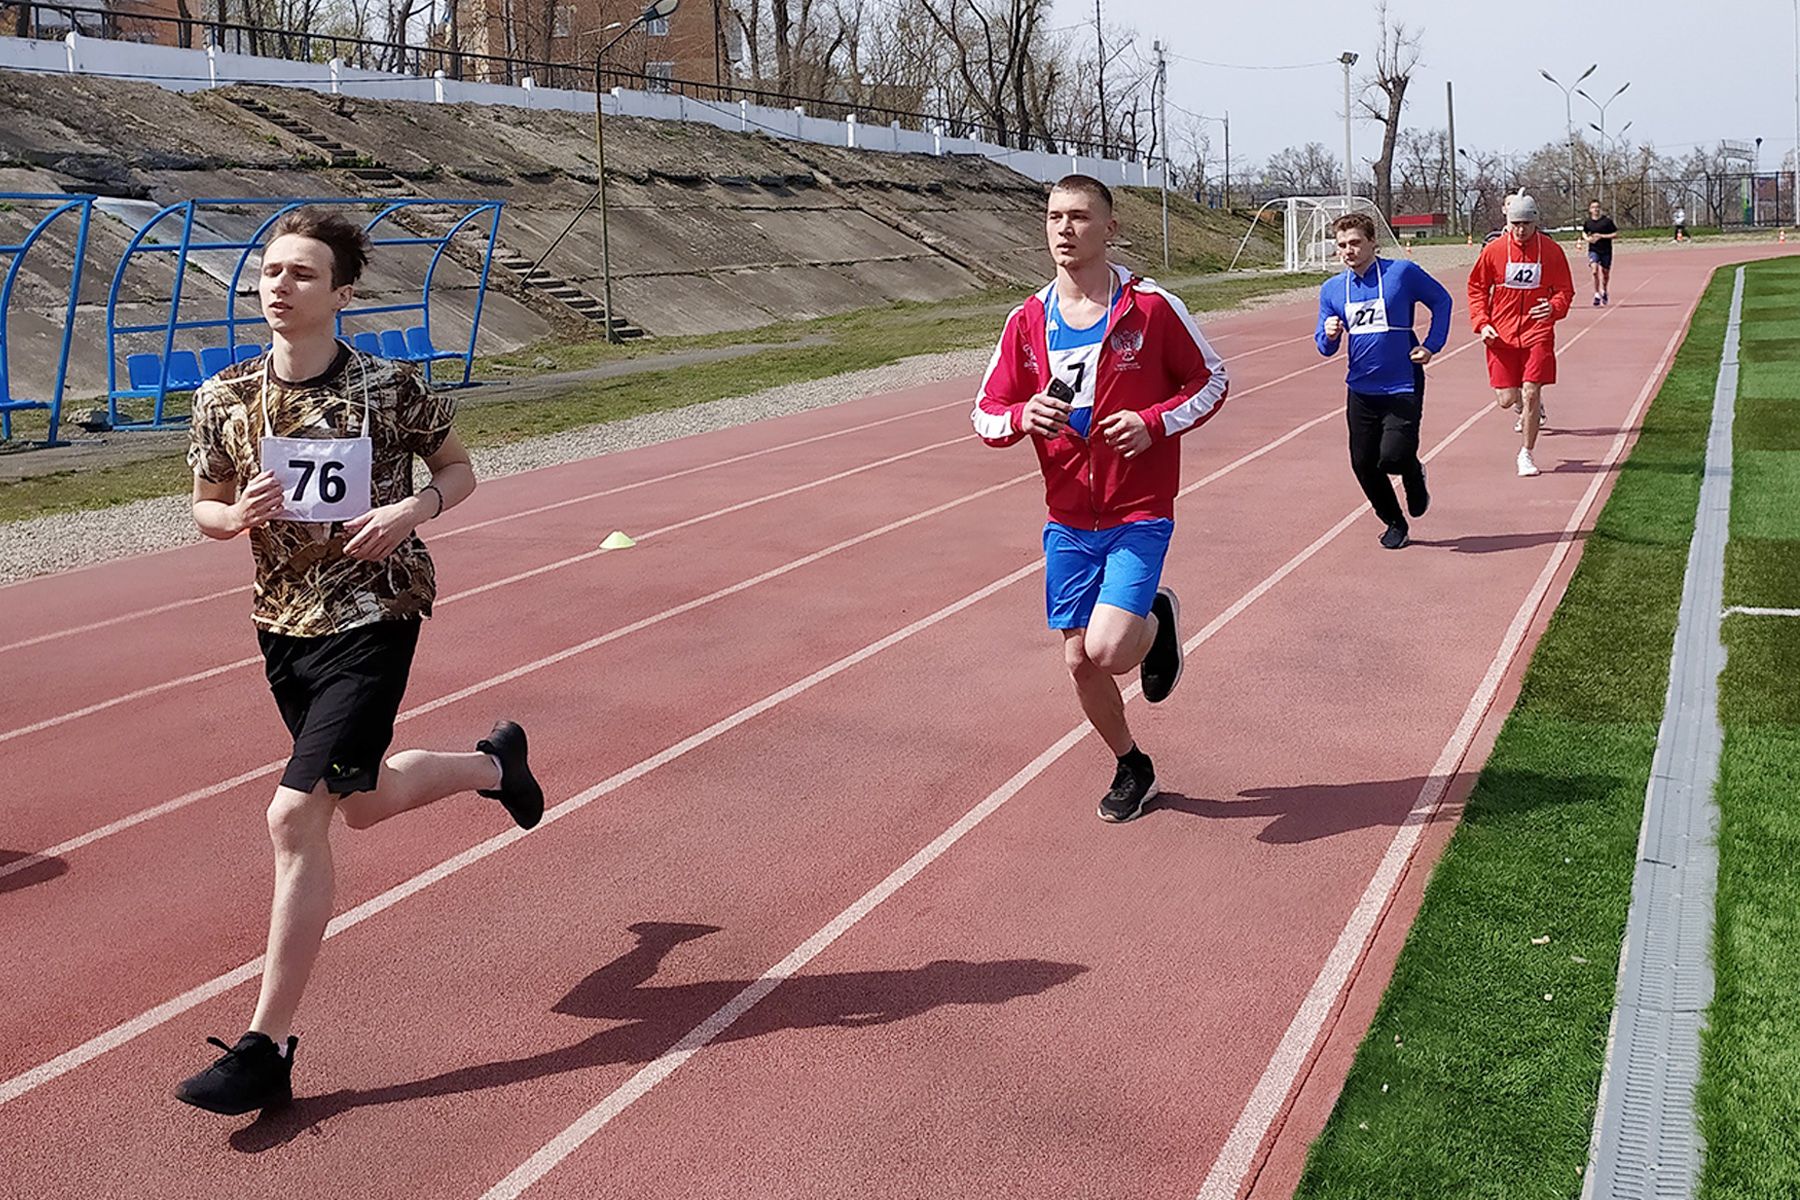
x: 432, y: 487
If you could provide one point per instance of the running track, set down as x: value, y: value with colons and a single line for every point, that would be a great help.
x: 824, y: 908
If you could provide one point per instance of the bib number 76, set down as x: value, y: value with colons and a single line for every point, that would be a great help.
x: 330, y: 477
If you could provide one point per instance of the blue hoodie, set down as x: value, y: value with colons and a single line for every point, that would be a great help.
x: 1379, y: 362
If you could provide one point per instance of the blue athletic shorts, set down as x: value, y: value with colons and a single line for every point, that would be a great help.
x: 1121, y: 566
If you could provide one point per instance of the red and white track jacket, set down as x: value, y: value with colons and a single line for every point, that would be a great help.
x: 1154, y: 360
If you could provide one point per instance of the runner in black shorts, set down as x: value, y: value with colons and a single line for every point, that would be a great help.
x: 310, y: 449
x: 1599, y: 231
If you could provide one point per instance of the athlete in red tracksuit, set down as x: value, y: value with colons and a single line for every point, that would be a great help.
x: 1104, y: 372
x: 1520, y: 287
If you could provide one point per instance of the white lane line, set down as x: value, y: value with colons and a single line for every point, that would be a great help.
x: 543, y: 508
x: 463, y: 693
x: 124, y: 1032
x: 1747, y: 611
x: 572, y: 560
x: 41, y: 638
x: 1239, y: 1154
x: 215, y: 789
x: 596, y: 1118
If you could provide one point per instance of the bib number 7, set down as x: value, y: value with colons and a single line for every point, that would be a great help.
x: 330, y: 476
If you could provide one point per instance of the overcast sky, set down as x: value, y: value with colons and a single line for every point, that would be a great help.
x: 1699, y: 70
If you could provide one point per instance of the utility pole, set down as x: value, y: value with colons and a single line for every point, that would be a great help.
x: 1228, y: 155
x: 1162, y: 82
x: 1349, y: 60
x: 1100, y: 61
x: 1455, y: 195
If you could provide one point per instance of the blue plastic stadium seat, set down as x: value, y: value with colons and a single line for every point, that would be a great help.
x: 246, y: 353
x: 368, y: 343
x: 393, y: 344
x: 184, y: 371
x: 419, y: 342
x: 145, y: 371
x: 214, y: 359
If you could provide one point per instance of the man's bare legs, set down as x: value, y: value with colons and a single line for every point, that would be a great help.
x: 300, y: 829
x: 1529, y: 400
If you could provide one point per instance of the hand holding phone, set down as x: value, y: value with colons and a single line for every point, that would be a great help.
x: 1048, y: 414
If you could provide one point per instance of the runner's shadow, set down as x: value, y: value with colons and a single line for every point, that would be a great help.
x: 1494, y: 543
x: 23, y: 868
x: 644, y: 1021
x: 1312, y: 811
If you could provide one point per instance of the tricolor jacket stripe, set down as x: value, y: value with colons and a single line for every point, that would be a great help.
x: 1154, y: 361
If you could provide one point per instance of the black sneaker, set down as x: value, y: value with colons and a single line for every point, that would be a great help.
x: 252, y: 1074
x: 1395, y: 537
x: 1162, y: 666
x: 1418, y: 499
x: 1132, y: 788
x: 518, y: 790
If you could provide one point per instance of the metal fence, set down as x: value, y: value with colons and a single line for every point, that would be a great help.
x: 53, y: 20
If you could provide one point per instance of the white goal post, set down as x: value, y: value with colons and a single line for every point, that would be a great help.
x: 1307, y: 241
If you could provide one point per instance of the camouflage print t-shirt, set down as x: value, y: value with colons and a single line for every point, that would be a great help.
x: 306, y: 586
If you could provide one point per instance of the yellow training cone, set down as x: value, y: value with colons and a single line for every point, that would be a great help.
x: 616, y: 540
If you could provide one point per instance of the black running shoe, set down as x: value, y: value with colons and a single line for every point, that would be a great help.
x: 1132, y: 788
x: 252, y: 1074
x: 1162, y: 666
x: 1394, y: 538
x: 1418, y: 499
x: 518, y: 790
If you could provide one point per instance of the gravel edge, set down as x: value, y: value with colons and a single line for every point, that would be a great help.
x: 64, y: 541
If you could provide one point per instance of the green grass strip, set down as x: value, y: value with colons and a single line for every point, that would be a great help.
x: 1750, y: 1051
x: 1479, y: 1075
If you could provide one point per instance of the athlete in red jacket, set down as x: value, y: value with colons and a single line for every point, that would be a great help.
x: 1519, y: 289
x: 1104, y: 372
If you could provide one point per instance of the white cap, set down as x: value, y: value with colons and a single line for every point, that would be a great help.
x: 1522, y: 208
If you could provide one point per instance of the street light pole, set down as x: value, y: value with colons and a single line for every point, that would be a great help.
x: 1348, y: 58
x: 1601, y: 108
x: 1162, y: 82
x: 1569, y: 124
x: 661, y: 8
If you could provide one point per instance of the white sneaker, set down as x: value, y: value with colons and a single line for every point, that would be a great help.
x: 1543, y: 420
x: 1527, y: 468
x: 1519, y: 425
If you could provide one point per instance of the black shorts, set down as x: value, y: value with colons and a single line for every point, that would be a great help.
x: 339, y: 695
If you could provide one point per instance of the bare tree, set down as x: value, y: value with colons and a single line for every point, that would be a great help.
x: 1308, y: 170
x: 990, y: 42
x: 1384, y: 95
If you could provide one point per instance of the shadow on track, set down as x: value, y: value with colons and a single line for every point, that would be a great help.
x: 644, y: 1020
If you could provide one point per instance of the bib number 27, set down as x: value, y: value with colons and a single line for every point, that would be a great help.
x: 327, y: 477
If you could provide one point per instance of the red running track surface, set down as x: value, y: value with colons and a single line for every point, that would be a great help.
x: 824, y: 909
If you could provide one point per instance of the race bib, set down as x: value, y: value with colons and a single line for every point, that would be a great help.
x: 1524, y: 276
x: 1075, y: 367
x: 1366, y: 316
x: 322, y: 479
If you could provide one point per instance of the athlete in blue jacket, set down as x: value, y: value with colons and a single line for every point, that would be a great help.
x: 1372, y: 302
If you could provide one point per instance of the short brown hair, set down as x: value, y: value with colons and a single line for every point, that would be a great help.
x: 1086, y: 185
x: 1362, y: 222
x: 349, y: 245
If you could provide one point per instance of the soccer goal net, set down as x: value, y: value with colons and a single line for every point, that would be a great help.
x: 1308, y: 243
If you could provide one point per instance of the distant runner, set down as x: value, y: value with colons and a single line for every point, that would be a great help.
x: 1373, y: 301
x: 1600, y: 232
x: 1519, y: 289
